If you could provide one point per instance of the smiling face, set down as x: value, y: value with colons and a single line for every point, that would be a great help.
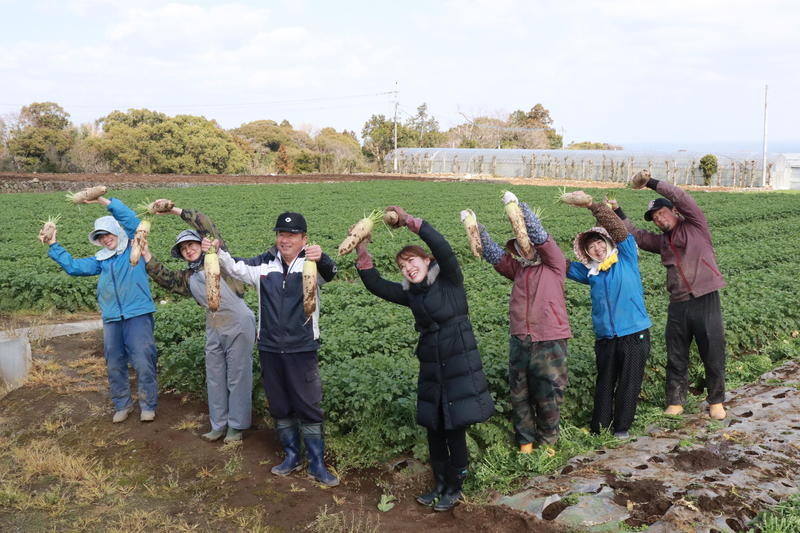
x: 414, y: 268
x: 109, y: 240
x: 190, y: 250
x: 290, y: 244
x: 597, y: 249
x: 665, y: 218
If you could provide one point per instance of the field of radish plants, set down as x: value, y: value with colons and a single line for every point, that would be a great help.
x: 368, y: 366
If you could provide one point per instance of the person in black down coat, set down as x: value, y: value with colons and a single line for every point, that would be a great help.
x: 452, y: 391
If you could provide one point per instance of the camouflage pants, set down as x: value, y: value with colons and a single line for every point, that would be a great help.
x: 537, y: 377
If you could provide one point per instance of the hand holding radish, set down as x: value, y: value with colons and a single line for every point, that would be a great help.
x: 401, y: 216
x: 313, y: 252
x: 206, y: 243
x: 611, y: 202
x: 363, y: 245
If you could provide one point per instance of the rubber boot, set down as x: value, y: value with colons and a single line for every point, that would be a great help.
x: 439, y: 479
x: 290, y: 440
x: 452, y: 493
x: 315, y: 448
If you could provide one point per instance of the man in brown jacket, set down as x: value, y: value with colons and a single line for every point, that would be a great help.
x: 693, y: 282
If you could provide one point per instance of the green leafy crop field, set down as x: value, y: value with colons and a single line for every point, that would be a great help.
x: 368, y: 367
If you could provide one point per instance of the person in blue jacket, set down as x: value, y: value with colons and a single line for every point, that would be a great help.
x: 123, y: 293
x: 608, y: 261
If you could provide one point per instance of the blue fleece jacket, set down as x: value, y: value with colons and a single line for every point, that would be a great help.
x: 123, y: 291
x: 617, y: 295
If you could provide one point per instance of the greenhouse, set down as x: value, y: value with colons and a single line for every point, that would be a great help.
x: 680, y: 167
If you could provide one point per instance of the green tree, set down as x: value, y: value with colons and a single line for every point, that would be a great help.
x: 41, y: 138
x: 150, y: 142
x: 378, y: 137
x: 709, y: 166
x: 339, y: 152
x: 426, y: 128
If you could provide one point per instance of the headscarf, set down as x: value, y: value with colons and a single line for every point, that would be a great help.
x: 108, y: 224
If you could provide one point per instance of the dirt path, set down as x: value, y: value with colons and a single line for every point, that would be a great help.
x: 65, y: 467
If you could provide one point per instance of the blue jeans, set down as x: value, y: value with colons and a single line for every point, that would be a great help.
x: 131, y: 340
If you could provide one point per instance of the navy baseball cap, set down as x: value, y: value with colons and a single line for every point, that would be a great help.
x: 654, y: 206
x: 291, y: 222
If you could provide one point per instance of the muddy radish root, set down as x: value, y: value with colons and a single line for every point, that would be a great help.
x: 211, y: 270
x: 139, y: 240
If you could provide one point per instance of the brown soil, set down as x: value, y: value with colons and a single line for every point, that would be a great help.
x: 22, y: 182
x: 168, y: 469
x: 699, y: 460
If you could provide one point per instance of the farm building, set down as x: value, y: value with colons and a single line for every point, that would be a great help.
x: 682, y: 167
x: 787, y: 172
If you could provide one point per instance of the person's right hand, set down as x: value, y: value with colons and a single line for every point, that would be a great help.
x: 640, y: 179
x: 611, y: 202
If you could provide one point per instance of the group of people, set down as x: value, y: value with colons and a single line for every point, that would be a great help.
x: 452, y: 391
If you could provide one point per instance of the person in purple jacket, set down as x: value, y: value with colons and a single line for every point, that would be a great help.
x: 539, y: 329
x: 693, y: 282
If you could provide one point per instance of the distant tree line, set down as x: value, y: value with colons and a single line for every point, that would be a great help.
x: 41, y: 138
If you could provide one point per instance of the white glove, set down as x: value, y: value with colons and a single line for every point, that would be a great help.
x: 509, y: 197
x: 465, y: 213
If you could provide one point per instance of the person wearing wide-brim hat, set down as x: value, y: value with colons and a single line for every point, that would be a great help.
x: 230, y: 330
x: 608, y: 261
x: 123, y: 294
x: 693, y: 282
x: 288, y: 341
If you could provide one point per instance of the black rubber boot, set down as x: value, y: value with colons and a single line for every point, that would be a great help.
x: 315, y: 448
x: 452, y: 493
x: 439, y: 479
x: 289, y: 435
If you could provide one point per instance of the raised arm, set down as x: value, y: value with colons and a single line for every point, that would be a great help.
x: 87, y: 266
x: 202, y: 223
x: 647, y: 240
x: 124, y: 215
x: 440, y: 248
x: 682, y: 200
x: 607, y: 219
x: 374, y: 283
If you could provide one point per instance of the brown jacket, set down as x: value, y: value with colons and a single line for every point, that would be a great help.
x: 686, y: 250
x: 537, y: 306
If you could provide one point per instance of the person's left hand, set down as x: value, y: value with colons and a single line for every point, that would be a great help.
x: 611, y: 202
x: 313, y: 252
x: 206, y: 243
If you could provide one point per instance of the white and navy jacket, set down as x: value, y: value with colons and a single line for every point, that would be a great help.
x: 283, y: 327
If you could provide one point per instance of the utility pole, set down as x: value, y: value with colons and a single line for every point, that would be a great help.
x: 395, y: 128
x: 764, y: 146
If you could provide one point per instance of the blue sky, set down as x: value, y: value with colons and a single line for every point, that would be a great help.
x: 674, y: 74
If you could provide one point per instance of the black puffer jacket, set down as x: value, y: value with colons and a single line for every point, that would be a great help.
x: 451, y: 377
